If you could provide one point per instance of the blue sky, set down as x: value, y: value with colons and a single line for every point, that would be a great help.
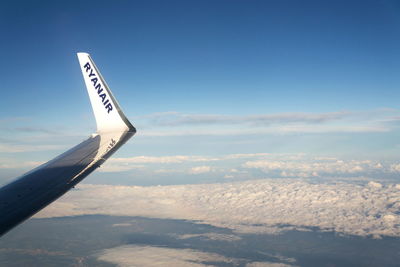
x: 204, y: 78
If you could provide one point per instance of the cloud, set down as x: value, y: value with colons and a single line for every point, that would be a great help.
x: 145, y: 256
x: 240, y: 166
x: 248, y: 155
x: 236, y: 165
x: 395, y: 168
x: 212, y: 236
x: 13, y: 119
x: 122, y: 225
x: 139, y: 162
x: 119, y: 167
x: 6, y: 164
x: 162, y: 159
x: 17, y: 148
x: 37, y: 252
x: 167, y: 123
x: 200, y: 169
x: 268, y: 206
x: 374, y: 184
x: 27, y: 129
x: 266, y: 264
x: 274, y: 130
x: 311, y: 168
x: 177, y: 119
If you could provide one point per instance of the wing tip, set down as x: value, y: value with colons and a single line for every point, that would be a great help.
x: 107, y: 112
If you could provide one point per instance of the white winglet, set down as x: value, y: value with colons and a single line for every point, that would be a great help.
x: 108, y: 114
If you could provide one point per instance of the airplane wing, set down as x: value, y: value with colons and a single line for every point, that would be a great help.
x: 36, y: 189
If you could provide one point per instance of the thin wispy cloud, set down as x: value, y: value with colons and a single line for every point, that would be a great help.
x: 163, y: 159
x: 177, y: 119
x: 13, y: 119
x: 20, y: 148
x: 159, y: 256
x: 273, y: 130
x: 211, y: 236
x: 146, y: 256
x: 24, y: 124
x: 180, y: 119
x: 166, y: 124
x: 27, y: 129
x: 7, y: 164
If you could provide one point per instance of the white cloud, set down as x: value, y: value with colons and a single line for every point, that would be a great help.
x: 239, y: 166
x: 200, y: 169
x: 375, y: 184
x: 252, y: 206
x: 139, y: 162
x: 312, y: 168
x: 161, y: 160
x: 122, y: 224
x: 395, y: 167
x: 123, y: 167
x: 248, y: 155
x: 378, y: 166
x: 274, y: 165
x: 212, y: 236
x: 168, y: 171
x: 267, y: 264
x: 145, y: 256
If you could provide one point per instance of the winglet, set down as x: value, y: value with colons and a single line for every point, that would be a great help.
x: 108, y: 114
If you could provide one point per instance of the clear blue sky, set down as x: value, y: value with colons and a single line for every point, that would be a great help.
x: 217, y: 58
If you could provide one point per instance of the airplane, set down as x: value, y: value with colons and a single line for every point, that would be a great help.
x: 31, y: 192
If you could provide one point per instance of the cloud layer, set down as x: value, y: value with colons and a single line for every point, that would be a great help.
x: 268, y: 206
x: 254, y: 166
x: 176, y: 118
x: 145, y: 256
x: 141, y: 256
x: 380, y: 120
